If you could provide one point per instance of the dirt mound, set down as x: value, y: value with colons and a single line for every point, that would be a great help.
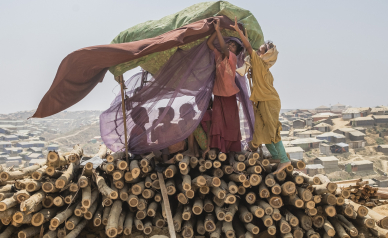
x: 339, y: 175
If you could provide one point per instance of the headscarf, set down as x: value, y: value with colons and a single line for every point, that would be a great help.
x: 270, y: 56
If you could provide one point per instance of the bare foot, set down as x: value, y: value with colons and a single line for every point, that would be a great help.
x: 281, y: 167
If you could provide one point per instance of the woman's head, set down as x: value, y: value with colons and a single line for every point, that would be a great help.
x: 265, y: 47
x: 234, y: 47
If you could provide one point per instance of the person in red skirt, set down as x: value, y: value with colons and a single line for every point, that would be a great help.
x: 225, y: 123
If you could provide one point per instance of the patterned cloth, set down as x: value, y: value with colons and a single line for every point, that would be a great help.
x: 200, y: 137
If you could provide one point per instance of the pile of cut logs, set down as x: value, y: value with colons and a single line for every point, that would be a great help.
x: 224, y: 195
x: 362, y: 193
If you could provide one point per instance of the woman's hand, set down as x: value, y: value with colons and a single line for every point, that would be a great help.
x: 235, y: 26
x: 217, y: 25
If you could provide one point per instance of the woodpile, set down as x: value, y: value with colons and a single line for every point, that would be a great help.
x: 224, y: 195
x: 361, y: 192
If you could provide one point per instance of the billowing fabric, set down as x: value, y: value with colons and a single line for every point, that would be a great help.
x: 176, y: 98
x: 83, y: 69
x: 267, y: 125
x: 225, y: 129
x: 224, y: 84
x: 201, y: 130
x: 153, y: 62
x: 262, y: 80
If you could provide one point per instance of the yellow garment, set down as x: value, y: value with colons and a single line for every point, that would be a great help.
x: 262, y: 79
x: 265, y: 99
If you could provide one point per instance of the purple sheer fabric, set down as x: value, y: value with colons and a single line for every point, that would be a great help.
x: 170, y: 105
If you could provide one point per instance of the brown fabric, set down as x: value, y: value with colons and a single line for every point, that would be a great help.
x: 225, y: 131
x: 80, y: 71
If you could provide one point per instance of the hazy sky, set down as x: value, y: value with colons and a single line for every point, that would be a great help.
x: 330, y: 51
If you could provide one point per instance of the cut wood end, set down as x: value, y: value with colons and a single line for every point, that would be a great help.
x: 89, y: 166
x: 37, y: 219
x: 88, y: 215
x: 60, y: 183
x: 22, y: 234
x: 133, y: 202
x: 179, y: 157
x: 69, y: 225
x: 122, y: 165
x: 316, y: 180
x: 4, y: 176
x: 384, y: 223
x: 221, y: 156
x: 299, y: 203
x: 147, y: 230
x: 110, y: 167
x: 228, y: 217
x: 190, y: 194
x: 362, y: 211
x: 97, y: 222
x: 370, y: 223
x: 231, y: 199
x: 111, y: 232
x: 30, y: 187
x: 216, y: 182
x: 3, y: 207
x: 113, y: 195
x: 54, y: 222
x: 52, y: 156
x: 18, y: 217
x: 78, y: 212
x: 48, y: 202
x: 331, y: 232
x: 74, y: 187
x: 276, y: 190
x: 268, y: 222
x: 86, y: 203
x: 50, y: 171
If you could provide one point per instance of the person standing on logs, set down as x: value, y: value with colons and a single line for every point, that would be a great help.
x: 225, y: 128
x: 266, y: 101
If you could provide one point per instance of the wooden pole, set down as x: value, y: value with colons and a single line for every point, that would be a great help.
x: 121, y: 80
x: 167, y: 206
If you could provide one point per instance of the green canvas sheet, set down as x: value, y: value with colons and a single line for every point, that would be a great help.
x: 153, y: 28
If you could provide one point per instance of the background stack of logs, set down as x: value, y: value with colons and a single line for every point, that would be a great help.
x: 362, y: 193
x: 224, y: 195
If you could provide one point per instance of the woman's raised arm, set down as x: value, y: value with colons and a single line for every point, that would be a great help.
x: 211, y: 39
x: 244, y: 39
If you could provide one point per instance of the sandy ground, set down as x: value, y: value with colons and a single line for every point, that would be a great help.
x: 339, y: 123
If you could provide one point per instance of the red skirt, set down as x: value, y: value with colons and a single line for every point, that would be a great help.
x: 225, y: 128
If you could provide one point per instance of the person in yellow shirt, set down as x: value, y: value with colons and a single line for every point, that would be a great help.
x: 266, y: 101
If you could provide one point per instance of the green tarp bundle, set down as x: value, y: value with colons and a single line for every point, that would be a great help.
x: 153, y: 28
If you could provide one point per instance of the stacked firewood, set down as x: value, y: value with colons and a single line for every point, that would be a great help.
x: 224, y: 195
x: 362, y: 193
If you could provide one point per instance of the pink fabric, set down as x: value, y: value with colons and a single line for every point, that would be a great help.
x: 224, y: 84
x: 207, y: 117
